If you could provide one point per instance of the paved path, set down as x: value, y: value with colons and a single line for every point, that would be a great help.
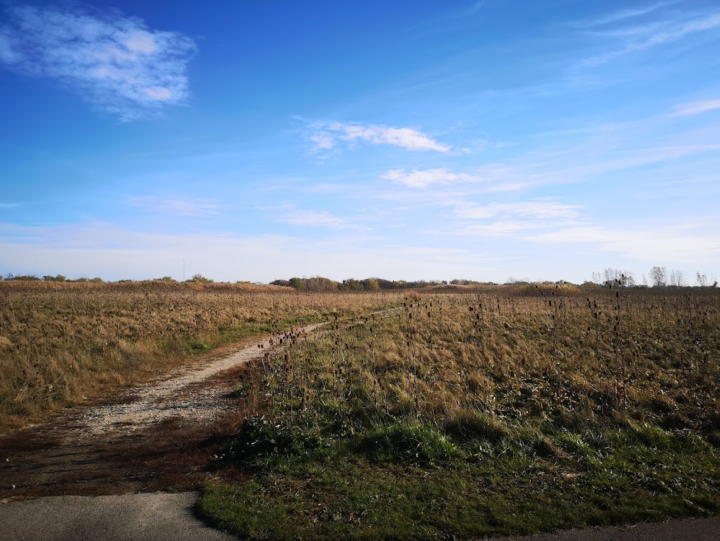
x: 707, y: 529
x: 131, y: 517
x: 169, y: 517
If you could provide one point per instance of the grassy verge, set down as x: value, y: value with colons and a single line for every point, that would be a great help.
x: 415, y: 481
x: 458, y: 417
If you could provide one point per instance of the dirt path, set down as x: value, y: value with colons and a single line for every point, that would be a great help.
x: 159, y: 436
x: 158, y: 402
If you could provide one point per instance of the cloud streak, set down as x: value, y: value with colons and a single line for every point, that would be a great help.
x: 697, y: 107
x: 176, y: 206
x: 622, y: 15
x: 328, y: 135
x: 116, y: 63
x: 316, y: 219
x: 427, y: 177
x: 656, y: 35
x: 541, y: 209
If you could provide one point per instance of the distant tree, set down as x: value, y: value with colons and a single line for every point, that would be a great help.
x: 463, y: 282
x: 702, y: 280
x: 285, y: 283
x: 353, y: 285
x: 296, y: 283
x: 371, y: 284
x: 615, y: 278
x: 658, y: 275
x: 22, y: 278
x: 677, y: 278
x: 199, y: 278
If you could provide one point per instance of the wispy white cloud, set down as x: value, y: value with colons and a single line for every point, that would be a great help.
x: 427, y: 177
x: 541, y: 209
x: 200, y: 208
x: 666, y: 33
x: 697, y: 107
x: 499, y: 228
x: 326, y: 135
x: 8, y: 205
x: 117, y: 63
x: 663, y: 243
x: 622, y: 15
x: 493, y: 177
x: 317, y: 219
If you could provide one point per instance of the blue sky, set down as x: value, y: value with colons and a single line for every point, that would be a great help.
x: 257, y: 140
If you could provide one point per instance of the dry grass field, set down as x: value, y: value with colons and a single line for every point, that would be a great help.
x: 503, y: 411
x: 63, y: 344
x: 433, y: 414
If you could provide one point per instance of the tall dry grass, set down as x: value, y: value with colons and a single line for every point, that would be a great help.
x: 63, y: 343
x: 518, y: 355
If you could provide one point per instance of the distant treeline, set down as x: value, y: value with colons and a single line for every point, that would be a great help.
x: 659, y: 277
x: 57, y: 278
x: 319, y: 283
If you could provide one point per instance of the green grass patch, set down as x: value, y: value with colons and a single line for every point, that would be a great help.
x: 412, y: 480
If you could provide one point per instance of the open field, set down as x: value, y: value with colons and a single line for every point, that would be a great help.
x: 508, y: 411
x: 450, y: 413
x: 63, y: 344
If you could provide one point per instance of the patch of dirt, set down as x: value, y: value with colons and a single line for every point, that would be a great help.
x: 159, y: 436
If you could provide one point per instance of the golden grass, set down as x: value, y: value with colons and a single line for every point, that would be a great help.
x: 523, y: 353
x: 64, y: 343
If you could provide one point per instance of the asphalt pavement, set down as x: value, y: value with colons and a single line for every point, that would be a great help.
x: 130, y: 517
x: 169, y: 517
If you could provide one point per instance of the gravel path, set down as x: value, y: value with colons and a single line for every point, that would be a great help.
x: 159, y: 401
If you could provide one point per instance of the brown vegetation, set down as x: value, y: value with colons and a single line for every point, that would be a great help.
x: 62, y: 343
x: 524, y: 353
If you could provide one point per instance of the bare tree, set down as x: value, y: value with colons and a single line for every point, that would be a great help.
x: 677, y: 278
x: 658, y: 275
x: 614, y: 278
x: 702, y: 279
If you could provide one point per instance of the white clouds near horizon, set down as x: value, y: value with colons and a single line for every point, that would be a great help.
x: 117, y: 63
x: 112, y: 252
x: 685, y: 242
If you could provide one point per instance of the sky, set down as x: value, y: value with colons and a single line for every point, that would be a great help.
x: 413, y: 139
